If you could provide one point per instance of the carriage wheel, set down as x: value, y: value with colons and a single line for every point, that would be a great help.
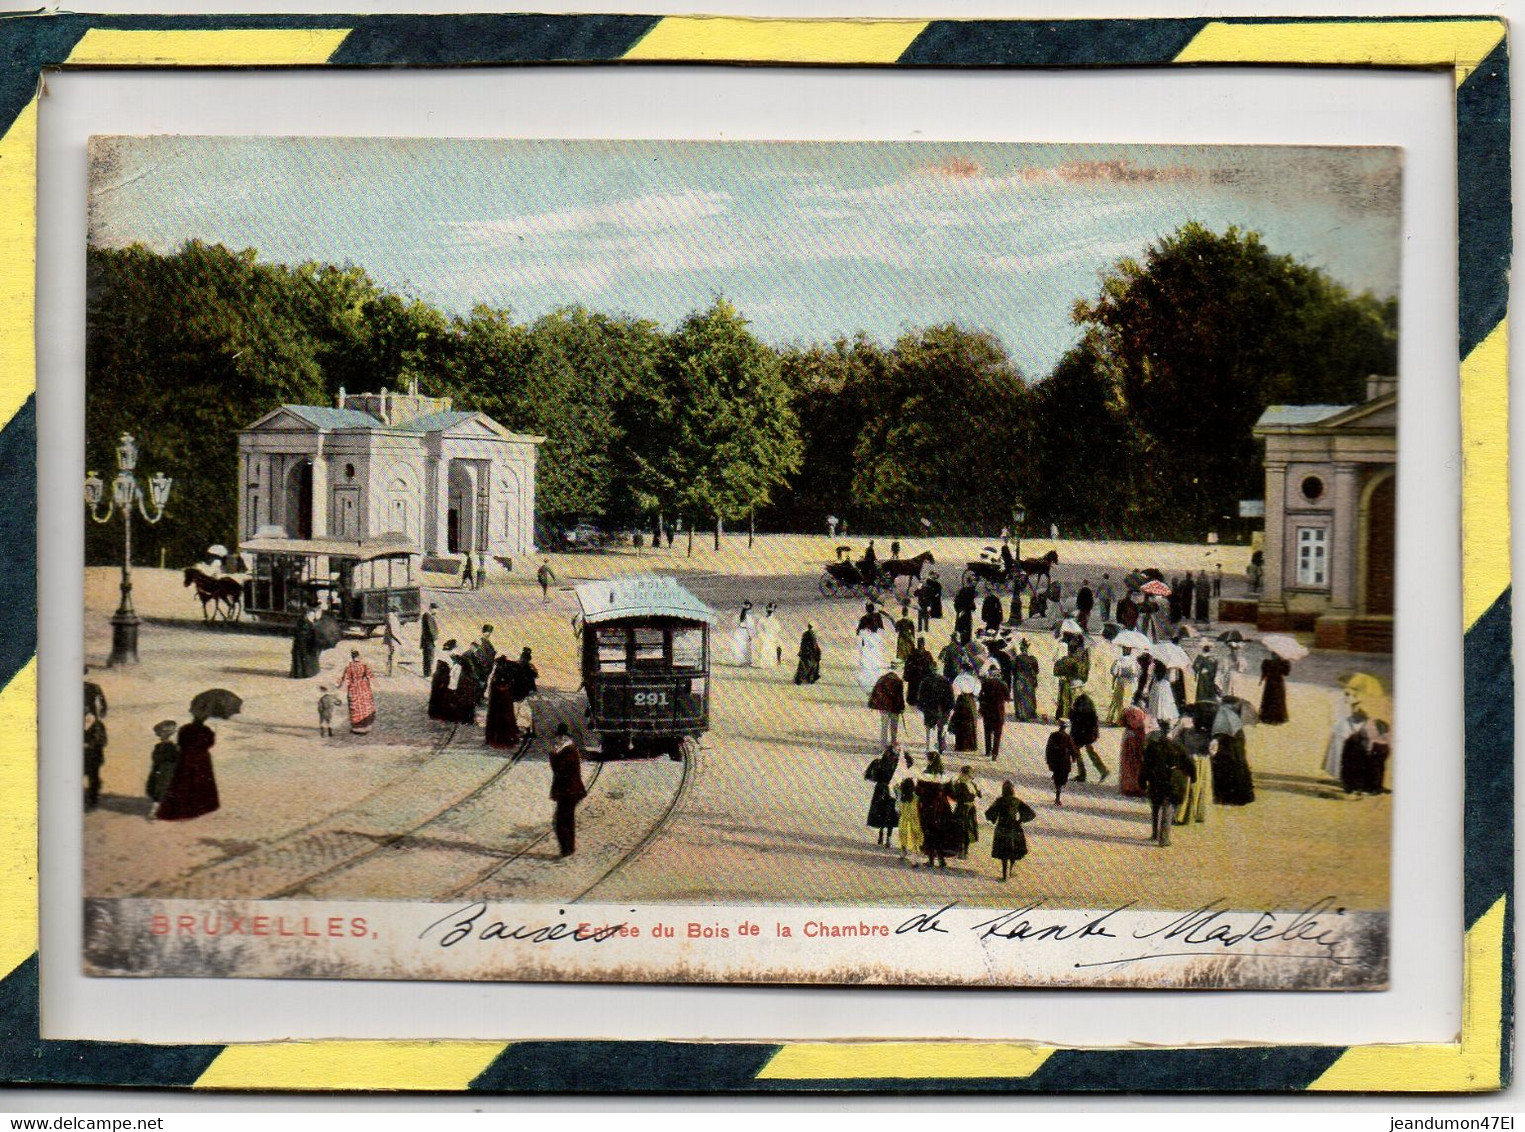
x: 830, y: 587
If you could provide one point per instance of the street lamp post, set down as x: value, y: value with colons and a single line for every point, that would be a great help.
x: 126, y: 493
x: 1018, y: 517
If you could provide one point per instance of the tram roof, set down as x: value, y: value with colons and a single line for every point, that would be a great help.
x: 644, y: 595
x: 381, y: 547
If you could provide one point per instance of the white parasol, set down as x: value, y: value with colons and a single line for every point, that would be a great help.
x: 1070, y: 625
x: 1172, y: 656
x: 1133, y: 639
x: 217, y: 550
x: 1284, y: 647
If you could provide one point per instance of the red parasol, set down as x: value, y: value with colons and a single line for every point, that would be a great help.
x: 1155, y: 589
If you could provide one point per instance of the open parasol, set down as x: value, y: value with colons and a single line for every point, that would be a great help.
x: 1284, y: 647
x: 1231, y: 636
x: 217, y: 550
x: 216, y: 703
x: 1132, y: 639
x: 328, y: 631
x: 1155, y: 588
x: 1070, y: 625
x: 1171, y: 656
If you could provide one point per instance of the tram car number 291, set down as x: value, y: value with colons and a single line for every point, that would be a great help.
x: 645, y: 664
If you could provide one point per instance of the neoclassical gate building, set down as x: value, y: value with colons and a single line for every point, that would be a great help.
x: 387, y: 463
x: 1330, y: 514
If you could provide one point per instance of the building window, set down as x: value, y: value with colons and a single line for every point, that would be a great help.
x: 1312, y: 556
x: 1313, y: 488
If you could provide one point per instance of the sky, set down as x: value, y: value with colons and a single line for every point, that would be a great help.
x: 808, y: 240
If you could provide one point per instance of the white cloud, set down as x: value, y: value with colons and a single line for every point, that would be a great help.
x: 650, y: 213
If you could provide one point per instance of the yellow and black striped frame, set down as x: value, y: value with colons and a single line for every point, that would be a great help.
x: 1473, y: 49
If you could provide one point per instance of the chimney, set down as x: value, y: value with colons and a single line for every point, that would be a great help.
x: 339, y: 400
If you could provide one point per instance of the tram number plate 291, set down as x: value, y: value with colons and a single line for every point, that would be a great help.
x: 650, y: 699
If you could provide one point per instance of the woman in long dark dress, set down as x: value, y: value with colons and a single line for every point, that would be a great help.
x: 1009, y: 844
x: 1233, y: 783
x: 466, y: 695
x: 192, y: 789
x: 502, y: 724
x: 966, y: 821
x: 966, y: 713
x: 1273, y: 701
x: 1024, y: 685
x: 808, y: 671
x: 441, y: 705
x: 306, y: 651
x: 882, y: 814
x: 934, y: 802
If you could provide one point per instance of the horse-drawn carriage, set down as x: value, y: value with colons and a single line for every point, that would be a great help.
x: 359, y: 583
x: 847, y: 576
x: 993, y: 574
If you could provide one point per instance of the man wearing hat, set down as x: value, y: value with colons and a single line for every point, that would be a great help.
x: 428, y: 633
x: 567, y: 788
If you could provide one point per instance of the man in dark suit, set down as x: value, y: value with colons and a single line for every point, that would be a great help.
x: 428, y: 633
x: 567, y: 788
x: 1168, y: 772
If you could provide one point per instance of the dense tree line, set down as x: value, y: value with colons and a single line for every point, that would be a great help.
x: 1143, y: 428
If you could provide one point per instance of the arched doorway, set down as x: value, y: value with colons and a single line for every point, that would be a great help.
x: 299, y: 500
x: 1381, y: 546
x: 461, y: 518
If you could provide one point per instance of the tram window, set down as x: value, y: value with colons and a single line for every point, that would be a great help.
x: 688, y: 648
x: 611, y: 649
x: 649, y: 651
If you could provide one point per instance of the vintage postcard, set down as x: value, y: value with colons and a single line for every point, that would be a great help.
x: 872, y: 563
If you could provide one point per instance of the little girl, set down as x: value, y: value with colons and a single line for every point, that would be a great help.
x: 910, y: 822
x: 165, y: 757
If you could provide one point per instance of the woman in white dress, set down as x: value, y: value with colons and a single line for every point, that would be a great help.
x: 741, y: 637
x: 1233, y: 676
x: 1162, y: 698
x: 872, y: 635
x: 766, y: 644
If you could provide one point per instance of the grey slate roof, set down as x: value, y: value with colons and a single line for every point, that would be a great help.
x: 1284, y: 416
x: 321, y: 416
x: 436, y: 422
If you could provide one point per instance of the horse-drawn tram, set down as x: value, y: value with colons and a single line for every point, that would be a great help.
x: 645, y: 664
x: 359, y: 583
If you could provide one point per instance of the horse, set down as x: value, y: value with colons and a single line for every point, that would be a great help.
x: 1039, y: 567
x: 896, y: 568
x: 215, y: 593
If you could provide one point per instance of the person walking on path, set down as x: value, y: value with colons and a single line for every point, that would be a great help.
x: 993, y: 699
x: 428, y: 634
x: 963, y: 613
x: 991, y: 613
x: 1085, y: 601
x: 1061, y: 755
x: 547, y: 579
x: 808, y: 670
x: 1197, y: 745
x: 1130, y: 766
x: 1008, y: 812
x: 966, y: 689
x: 1201, y: 598
x: 328, y: 703
x: 1273, y: 701
x: 481, y: 579
x: 391, y: 637
x: 888, y: 699
x: 1167, y: 779
x: 935, y: 699
x: 905, y: 636
x: 192, y: 788
x: 966, y: 817
x: 567, y: 788
x: 929, y: 602
x: 910, y: 820
x: 162, y: 762
x: 502, y: 730
x: 1085, y: 729
x: 934, y: 798
x: 1024, y: 684
x: 468, y: 575
x: 917, y: 665
x: 306, y: 650
x: 1205, y: 668
x: 1106, y: 597
x: 1124, y: 677
x: 95, y: 758
x: 356, y: 681
x: 883, y: 818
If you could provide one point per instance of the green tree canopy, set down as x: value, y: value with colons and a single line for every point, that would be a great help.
x: 1203, y: 334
